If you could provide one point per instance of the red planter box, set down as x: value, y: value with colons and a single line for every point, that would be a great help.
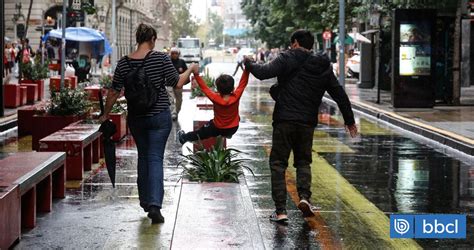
x: 31, y: 92
x: 23, y: 95
x: 73, y: 80
x: 55, y: 81
x: 25, y: 120
x: 120, y: 121
x: 12, y: 95
x: 202, y: 117
x: 40, y: 84
x: 45, y: 125
x: 93, y: 92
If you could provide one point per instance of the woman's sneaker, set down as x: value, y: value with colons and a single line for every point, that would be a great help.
x: 155, y: 215
x: 180, y: 136
x: 306, y: 208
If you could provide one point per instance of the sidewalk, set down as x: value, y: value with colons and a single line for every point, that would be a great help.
x: 449, y: 125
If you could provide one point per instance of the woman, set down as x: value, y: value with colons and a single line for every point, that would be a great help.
x: 149, y: 131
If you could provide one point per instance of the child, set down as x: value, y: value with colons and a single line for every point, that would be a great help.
x: 226, y: 108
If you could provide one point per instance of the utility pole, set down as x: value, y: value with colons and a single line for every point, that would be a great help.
x: 114, y: 37
x: 2, y: 45
x: 342, y: 44
x: 63, y: 43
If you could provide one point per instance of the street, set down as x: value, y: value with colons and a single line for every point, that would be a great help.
x: 357, y: 183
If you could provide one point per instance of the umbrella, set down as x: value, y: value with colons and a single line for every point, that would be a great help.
x: 108, y: 129
x: 81, y: 34
x: 359, y: 37
x: 347, y: 41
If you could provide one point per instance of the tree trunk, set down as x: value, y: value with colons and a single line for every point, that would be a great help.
x: 457, y: 57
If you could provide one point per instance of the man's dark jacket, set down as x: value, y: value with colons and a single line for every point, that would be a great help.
x: 300, y: 96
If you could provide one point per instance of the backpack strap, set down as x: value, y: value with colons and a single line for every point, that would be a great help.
x: 144, y: 59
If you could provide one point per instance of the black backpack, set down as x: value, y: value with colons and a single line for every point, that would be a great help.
x: 140, y: 92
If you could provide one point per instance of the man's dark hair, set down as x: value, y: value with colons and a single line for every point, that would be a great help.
x: 225, y: 84
x: 145, y: 33
x: 304, y: 38
x: 27, y: 40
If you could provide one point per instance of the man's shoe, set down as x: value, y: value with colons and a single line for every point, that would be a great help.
x: 155, y: 215
x: 306, y: 208
x: 180, y: 136
x: 280, y: 218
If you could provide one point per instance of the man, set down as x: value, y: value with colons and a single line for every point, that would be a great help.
x: 176, y: 95
x: 240, y: 58
x: 303, y: 78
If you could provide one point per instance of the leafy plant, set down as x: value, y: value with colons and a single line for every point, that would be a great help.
x: 68, y: 101
x: 218, y: 164
x: 34, y: 71
x: 119, y: 107
x: 197, y: 92
x: 105, y: 81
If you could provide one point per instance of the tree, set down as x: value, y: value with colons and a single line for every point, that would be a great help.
x: 217, y: 26
x: 181, y: 21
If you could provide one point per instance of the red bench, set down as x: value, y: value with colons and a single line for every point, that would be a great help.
x: 40, y: 84
x: 31, y: 92
x: 28, y: 183
x: 81, y: 142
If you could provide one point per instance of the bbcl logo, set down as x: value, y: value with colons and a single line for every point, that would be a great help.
x: 428, y: 226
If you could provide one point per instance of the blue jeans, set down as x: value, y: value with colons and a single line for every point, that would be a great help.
x: 151, y: 134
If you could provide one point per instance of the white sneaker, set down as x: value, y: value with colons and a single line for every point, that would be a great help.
x: 306, y: 208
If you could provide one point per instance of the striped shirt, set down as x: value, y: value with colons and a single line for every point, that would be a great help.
x: 160, y: 71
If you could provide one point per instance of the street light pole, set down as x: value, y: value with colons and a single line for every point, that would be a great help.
x: 63, y: 43
x: 342, y: 44
x: 114, y: 37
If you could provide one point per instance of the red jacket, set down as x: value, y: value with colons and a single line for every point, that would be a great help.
x: 226, y: 112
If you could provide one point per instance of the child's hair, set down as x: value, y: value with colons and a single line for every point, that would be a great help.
x: 225, y: 84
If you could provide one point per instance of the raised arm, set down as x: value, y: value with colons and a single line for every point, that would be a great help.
x: 242, y: 84
x: 205, y: 89
x: 267, y: 70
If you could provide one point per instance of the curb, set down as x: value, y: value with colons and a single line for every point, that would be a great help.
x: 8, y: 124
x: 444, y: 137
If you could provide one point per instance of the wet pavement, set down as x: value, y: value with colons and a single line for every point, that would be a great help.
x: 357, y: 182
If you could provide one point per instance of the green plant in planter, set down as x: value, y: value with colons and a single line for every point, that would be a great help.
x: 68, y: 101
x: 219, y: 164
x: 35, y: 71
x: 105, y: 81
x: 210, y: 82
x: 119, y: 107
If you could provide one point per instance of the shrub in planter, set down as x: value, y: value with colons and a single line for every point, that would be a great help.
x: 65, y: 107
x: 218, y: 164
x: 197, y: 92
x: 35, y: 73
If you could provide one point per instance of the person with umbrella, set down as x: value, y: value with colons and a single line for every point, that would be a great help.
x: 150, y: 129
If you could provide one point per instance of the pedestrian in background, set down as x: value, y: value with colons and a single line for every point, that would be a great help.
x: 303, y: 78
x: 239, y: 58
x: 151, y: 129
x: 176, y: 93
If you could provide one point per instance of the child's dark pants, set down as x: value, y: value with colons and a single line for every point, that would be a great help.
x: 209, y: 130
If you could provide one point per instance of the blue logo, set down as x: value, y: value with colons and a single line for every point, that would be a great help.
x: 428, y: 226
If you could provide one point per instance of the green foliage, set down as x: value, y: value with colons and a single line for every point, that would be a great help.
x: 119, y: 107
x: 35, y: 71
x: 105, y: 81
x: 274, y: 20
x: 68, y: 101
x: 210, y: 82
x: 217, y: 26
x: 181, y: 21
x: 219, y: 164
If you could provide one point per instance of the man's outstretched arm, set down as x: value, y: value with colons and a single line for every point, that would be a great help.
x: 267, y: 70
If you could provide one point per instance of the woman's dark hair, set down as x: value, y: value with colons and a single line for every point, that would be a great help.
x: 145, y: 33
x: 304, y: 38
x: 225, y: 84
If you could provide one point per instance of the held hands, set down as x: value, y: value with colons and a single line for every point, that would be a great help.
x: 352, y: 130
x: 194, y: 68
